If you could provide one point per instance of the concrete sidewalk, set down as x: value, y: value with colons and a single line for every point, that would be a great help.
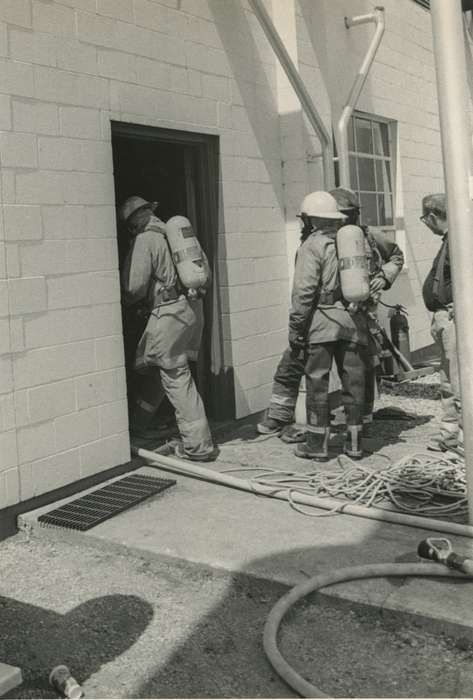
x: 224, y: 528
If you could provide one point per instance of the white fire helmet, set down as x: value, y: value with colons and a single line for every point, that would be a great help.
x: 321, y: 205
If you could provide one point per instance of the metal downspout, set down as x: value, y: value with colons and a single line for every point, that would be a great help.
x: 450, y: 64
x: 342, y: 128
x: 299, y: 88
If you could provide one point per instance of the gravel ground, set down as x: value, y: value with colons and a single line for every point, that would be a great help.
x: 132, y: 628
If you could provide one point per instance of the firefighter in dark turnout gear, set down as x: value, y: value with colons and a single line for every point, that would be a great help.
x: 385, y: 262
x: 321, y: 326
x: 438, y: 298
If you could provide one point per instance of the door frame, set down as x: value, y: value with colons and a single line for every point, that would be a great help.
x: 220, y: 394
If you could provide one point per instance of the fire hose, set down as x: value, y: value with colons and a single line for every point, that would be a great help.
x: 439, y: 550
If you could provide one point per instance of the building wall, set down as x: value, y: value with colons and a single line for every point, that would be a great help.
x: 401, y: 87
x: 69, y: 67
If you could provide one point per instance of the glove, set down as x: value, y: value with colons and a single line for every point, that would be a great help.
x: 377, y: 284
x: 297, y: 343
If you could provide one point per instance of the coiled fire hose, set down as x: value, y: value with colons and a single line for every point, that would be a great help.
x: 436, y: 549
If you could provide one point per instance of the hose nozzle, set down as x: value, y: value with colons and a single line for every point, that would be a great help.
x: 440, y: 549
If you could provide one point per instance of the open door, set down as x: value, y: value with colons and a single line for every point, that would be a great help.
x: 180, y: 171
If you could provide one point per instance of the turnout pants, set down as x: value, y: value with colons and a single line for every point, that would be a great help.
x: 285, y: 390
x: 178, y: 385
x: 443, y: 332
x: 288, y: 376
x: 350, y: 359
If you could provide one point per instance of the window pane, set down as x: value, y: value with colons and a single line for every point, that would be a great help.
x: 369, y: 215
x: 337, y: 173
x: 381, y: 140
x: 351, y: 138
x: 383, y: 176
x: 364, y: 140
x: 353, y: 175
x: 366, y: 174
x: 385, y: 204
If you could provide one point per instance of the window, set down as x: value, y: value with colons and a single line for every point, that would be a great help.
x: 371, y: 171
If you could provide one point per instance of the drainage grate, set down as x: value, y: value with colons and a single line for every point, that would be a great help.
x: 92, y: 509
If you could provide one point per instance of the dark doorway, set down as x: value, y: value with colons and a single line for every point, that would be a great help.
x: 180, y: 171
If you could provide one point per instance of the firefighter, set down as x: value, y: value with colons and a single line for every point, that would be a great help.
x: 172, y: 334
x: 438, y: 298
x: 322, y: 328
x: 385, y: 263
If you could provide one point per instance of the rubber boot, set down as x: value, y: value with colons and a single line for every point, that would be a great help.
x: 352, y: 447
x: 270, y: 426
x: 315, y: 447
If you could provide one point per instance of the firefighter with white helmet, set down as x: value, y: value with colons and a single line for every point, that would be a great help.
x: 172, y: 335
x: 322, y: 328
x: 385, y: 261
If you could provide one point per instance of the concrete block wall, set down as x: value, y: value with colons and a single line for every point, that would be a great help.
x: 401, y: 87
x: 69, y: 67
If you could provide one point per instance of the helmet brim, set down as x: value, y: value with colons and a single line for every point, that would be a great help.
x: 327, y: 215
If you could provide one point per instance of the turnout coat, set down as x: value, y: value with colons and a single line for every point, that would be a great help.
x: 173, y: 332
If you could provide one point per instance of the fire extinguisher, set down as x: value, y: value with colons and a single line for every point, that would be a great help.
x: 400, y: 331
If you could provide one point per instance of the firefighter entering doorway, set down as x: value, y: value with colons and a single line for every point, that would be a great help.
x: 169, y: 167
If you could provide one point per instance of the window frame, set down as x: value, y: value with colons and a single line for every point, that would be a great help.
x: 391, y: 158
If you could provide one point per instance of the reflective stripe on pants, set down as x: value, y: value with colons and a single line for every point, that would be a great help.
x: 287, y: 379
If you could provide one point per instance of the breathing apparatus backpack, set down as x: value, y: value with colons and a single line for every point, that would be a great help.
x: 186, y: 253
x: 353, y: 264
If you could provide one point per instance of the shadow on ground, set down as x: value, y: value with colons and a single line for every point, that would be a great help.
x: 84, y: 639
x: 345, y: 649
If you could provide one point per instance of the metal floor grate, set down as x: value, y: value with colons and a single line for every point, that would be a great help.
x: 92, y: 509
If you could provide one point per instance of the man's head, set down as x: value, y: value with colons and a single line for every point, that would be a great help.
x: 434, y: 213
x: 135, y: 213
x: 318, y: 210
x: 347, y: 203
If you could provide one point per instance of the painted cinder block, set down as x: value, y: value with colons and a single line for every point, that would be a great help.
x: 36, y: 48
x: 74, y: 56
x: 113, y: 418
x: 119, y: 9
x: 9, y: 495
x: 16, y: 78
x: 115, y: 64
x: 18, y: 150
x: 76, y: 429
x: 51, y: 400
x: 6, y: 374
x: 5, y: 345
x: 64, y: 221
x: 35, y: 117
x: 5, y: 113
x: 8, y: 450
x: 54, y: 85
x: 68, y: 291
x: 53, y: 364
x: 7, y: 412
x: 16, y: 12
x: 109, y: 352
x: 100, y: 388
x: 95, y: 29
x: 88, y: 188
x: 43, y: 475
x: 78, y: 122
x: 39, y: 187
x: 36, y: 441
x: 53, y: 19
x: 27, y: 295
x: 105, y: 453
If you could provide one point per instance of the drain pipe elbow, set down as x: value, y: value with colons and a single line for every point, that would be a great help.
x: 376, y: 17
